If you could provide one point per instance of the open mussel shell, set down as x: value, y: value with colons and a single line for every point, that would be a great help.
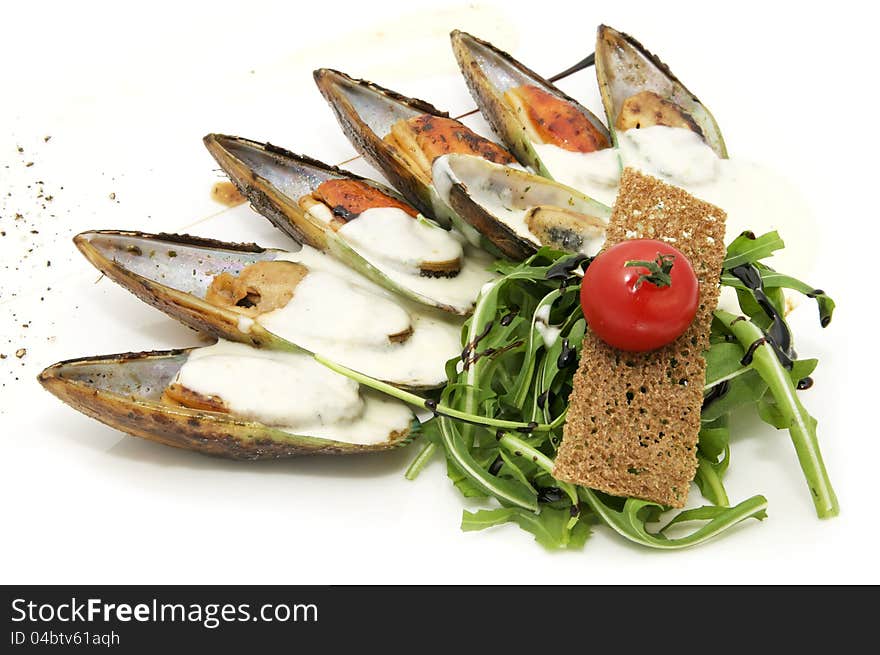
x: 124, y: 391
x: 489, y: 73
x: 625, y: 68
x: 274, y: 179
x: 495, y: 199
x: 173, y: 272
x: 366, y: 112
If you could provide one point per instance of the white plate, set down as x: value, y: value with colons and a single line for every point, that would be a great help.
x: 126, y: 100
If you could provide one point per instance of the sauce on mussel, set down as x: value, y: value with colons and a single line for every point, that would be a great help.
x: 376, y: 224
x: 288, y: 391
x: 358, y: 326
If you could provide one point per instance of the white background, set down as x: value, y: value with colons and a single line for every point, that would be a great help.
x: 126, y: 95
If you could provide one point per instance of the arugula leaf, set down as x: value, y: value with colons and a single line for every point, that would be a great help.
x: 550, y: 526
x: 747, y: 249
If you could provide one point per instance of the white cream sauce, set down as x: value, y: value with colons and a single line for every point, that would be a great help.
x: 549, y: 333
x: 753, y: 196
x: 594, y: 173
x: 341, y: 315
x: 393, y: 254
x: 395, y: 237
x: 292, y: 392
x: 330, y: 308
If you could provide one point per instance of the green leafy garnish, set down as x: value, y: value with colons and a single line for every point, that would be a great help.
x: 499, y: 420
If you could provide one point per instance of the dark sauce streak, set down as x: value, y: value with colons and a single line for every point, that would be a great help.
x: 550, y: 494
x: 805, y: 383
x: 467, y: 353
x: 750, y: 353
x: 542, y: 399
x: 568, y: 356
x: 495, y: 466
x: 563, y: 270
x: 507, y: 319
x: 715, y: 393
x: 528, y: 429
x: 778, y: 335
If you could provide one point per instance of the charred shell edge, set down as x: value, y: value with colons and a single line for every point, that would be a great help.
x: 208, y: 433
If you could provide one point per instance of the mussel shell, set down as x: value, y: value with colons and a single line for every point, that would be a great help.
x: 366, y: 112
x: 532, y: 189
x: 123, y: 391
x: 274, y: 179
x: 625, y: 67
x: 489, y: 72
x: 173, y: 272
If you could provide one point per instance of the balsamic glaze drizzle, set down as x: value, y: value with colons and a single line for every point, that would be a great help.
x: 550, y: 494
x: 750, y: 352
x: 568, y: 356
x: 716, y: 392
x: 467, y: 355
x: 507, y: 319
x: 496, y: 465
x: 542, y: 399
x: 805, y: 383
x: 563, y: 270
x: 778, y: 335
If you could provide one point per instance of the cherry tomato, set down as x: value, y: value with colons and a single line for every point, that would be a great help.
x: 636, y: 307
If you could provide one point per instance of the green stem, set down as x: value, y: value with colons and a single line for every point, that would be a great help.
x: 627, y: 523
x: 507, y: 491
x: 801, y: 426
x: 418, y: 401
x: 707, y: 471
x: 519, y: 447
x: 421, y: 460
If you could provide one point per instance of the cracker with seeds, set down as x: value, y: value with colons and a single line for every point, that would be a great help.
x: 634, y: 418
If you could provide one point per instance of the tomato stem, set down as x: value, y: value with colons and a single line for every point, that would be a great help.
x: 658, y: 270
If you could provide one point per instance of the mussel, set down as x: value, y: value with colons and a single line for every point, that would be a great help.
x: 130, y: 392
x: 532, y: 117
x: 638, y: 91
x: 366, y: 225
x: 282, y: 301
x: 402, y: 136
x: 418, y: 147
x: 520, y: 212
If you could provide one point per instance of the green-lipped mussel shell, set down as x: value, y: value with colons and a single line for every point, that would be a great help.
x: 624, y: 68
x: 366, y: 112
x: 532, y: 191
x: 274, y: 180
x: 489, y: 73
x: 173, y: 272
x: 123, y: 391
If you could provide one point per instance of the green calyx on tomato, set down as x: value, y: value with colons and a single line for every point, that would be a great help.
x: 640, y: 295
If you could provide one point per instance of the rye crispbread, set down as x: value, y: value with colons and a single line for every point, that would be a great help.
x: 634, y: 418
